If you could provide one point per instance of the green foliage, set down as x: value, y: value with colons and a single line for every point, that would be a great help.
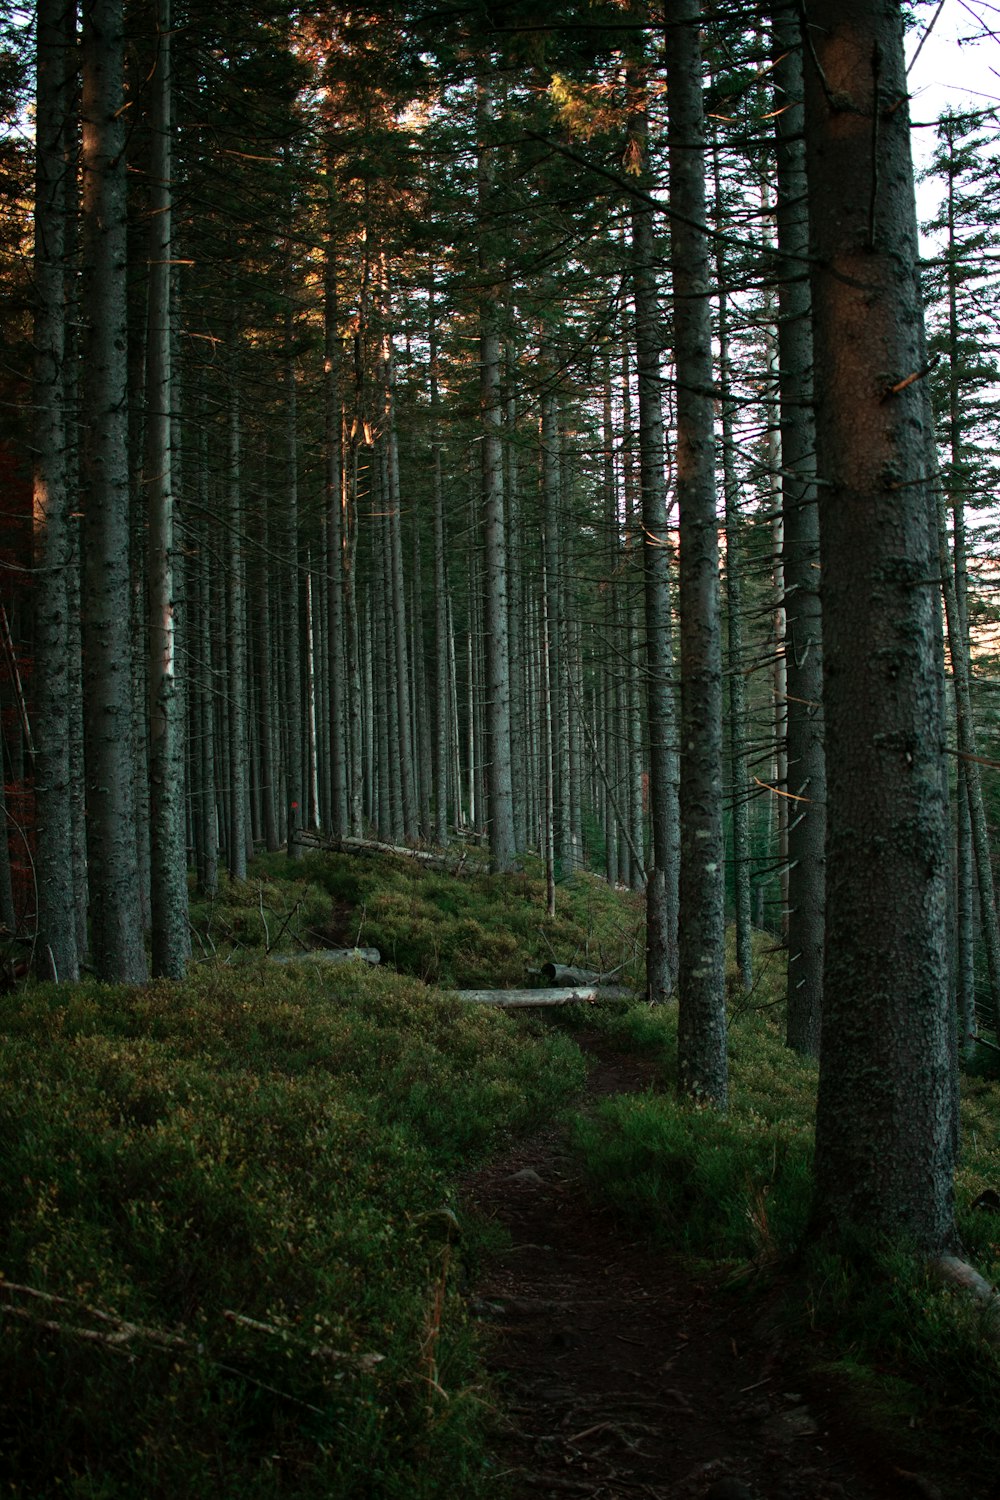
x: 727, y: 1187
x: 468, y: 930
x: 275, y: 909
x: 904, y: 1349
x: 255, y: 1170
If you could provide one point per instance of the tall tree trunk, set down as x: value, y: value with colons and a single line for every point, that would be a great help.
x: 500, y: 791
x: 740, y: 796
x: 117, y: 935
x: 805, y: 757
x: 237, y: 831
x: 884, y: 1141
x: 292, y: 665
x: 442, y: 713
x: 54, y: 661
x: 958, y: 647
x: 662, y: 894
x: 553, y: 617
x: 701, y: 1036
x: 336, y: 497
x: 263, y: 656
x: 632, y: 691
x: 352, y: 644
x: 168, y: 860
x: 396, y: 602
x: 973, y: 836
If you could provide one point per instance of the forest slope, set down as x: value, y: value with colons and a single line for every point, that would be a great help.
x: 236, y: 1257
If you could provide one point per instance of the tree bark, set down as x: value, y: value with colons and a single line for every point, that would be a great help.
x: 884, y: 1144
x: 500, y: 791
x: 54, y: 665
x: 237, y: 831
x: 168, y: 857
x: 805, y: 757
x: 702, y: 1066
x: 662, y: 956
x: 117, y: 935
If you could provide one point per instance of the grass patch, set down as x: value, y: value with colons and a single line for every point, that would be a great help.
x: 731, y: 1187
x: 255, y: 1174
x: 473, y: 930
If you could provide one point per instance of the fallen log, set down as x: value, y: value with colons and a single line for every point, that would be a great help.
x: 328, y: 956
x: 566, y: 974
x: 431, y: 859
x: 573, y: 995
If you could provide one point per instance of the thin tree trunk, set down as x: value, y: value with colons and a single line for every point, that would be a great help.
x: 236, y: 639
x: 442, y: 716
x: 740, y: 795
x: 58, y: 953
x: 806, y: 761
x: 500, y: 792
x: 168, y: 863
x: 336, y: 498
x: 662, y: 952
x: 702, y: 1068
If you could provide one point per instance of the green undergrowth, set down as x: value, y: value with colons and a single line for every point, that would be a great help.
x: 734, y: 1191
x: 726, y: 1187
x: 220, y: 1202
x: 471, y: 929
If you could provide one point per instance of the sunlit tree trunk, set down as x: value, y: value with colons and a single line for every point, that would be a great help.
x: 884, y: 1128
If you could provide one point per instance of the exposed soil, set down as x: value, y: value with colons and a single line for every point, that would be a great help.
x: 622, y: 1375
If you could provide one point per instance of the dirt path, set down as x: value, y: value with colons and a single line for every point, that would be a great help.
x: 625, y: 1377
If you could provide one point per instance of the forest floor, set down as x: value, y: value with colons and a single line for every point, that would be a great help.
x: 623, y: 1373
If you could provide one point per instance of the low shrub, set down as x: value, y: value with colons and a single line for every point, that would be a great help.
x: 228, y: 1225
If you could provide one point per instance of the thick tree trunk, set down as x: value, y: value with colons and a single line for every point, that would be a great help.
x: 701, y: 1036
x: 54, y: 662
x: 117, y: 934
x: 884, y: 1143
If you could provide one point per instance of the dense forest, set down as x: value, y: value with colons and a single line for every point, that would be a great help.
x: 466, y: 425
x: 513, y: 489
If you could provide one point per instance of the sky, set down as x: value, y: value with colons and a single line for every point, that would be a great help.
x: 958, y: 64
